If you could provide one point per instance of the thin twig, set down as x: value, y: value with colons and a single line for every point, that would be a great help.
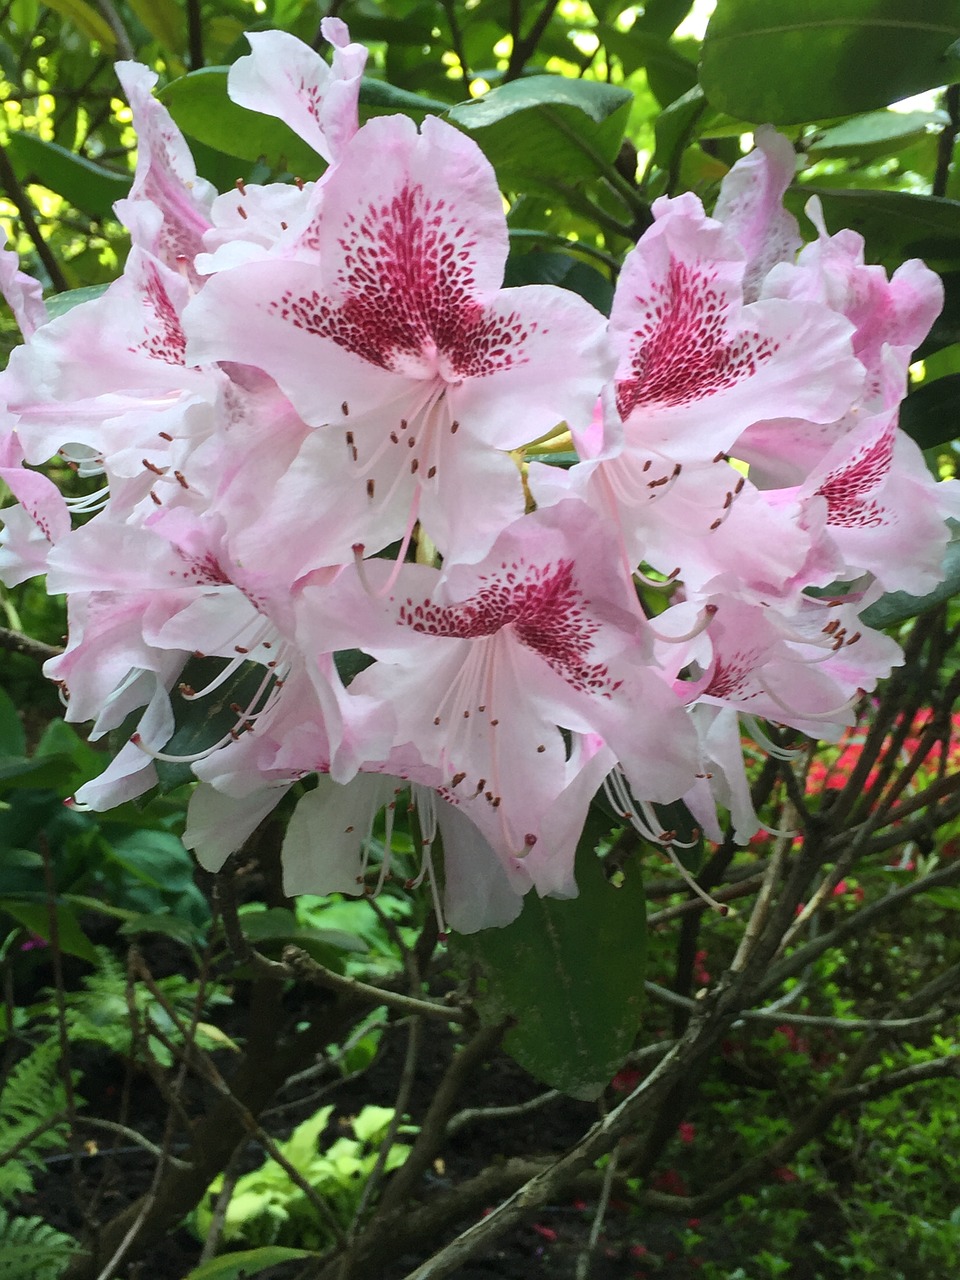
x: 946, y: 141
x: 296, y: 963
x: 17, y: 642
x: 219, y: 1215
x: 195, y: 34
x: 401, y: 1103
x: 111, y: 1126
x: 525, y: 46
x: 471, y: 1115
x: 115, y: 22
x: 590, y: 1248
x: 19, y: 197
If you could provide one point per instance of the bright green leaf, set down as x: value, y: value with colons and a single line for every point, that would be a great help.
x: 570, y: 975
x: 84, y: 184
x: 876, y: 134
x: 544, y: 131
x: 199, y: 104
x: 817, y: 59
x: 250, y: 1262
x: 35, y: 916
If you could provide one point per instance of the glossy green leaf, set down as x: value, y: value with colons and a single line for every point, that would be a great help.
x: 85, y: 185
x: 897, y: 606
x: 35, y: 916
x: 86, y: 18
x: 203, y: 722
x: 878, y: 133
x: 563, y: 270
x: 544, y: 131
x: 248, y: 1262
x: 895, y: 224
x: 931, y: 414
x: 199, y: 104
x: 946, y: 328
x: 817, y: 59
x: 570, y: 976
x: 60, y: 303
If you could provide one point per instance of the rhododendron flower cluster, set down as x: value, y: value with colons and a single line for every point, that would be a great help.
x: 318, y: 436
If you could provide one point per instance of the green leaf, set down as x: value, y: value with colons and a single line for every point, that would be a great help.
x: 876, y: 134
x: 60, y: 303
x: 13, y: 740
x: 674, y: 128
x: 570, y: 973
x: 563, y: 270
x: 35, y: 916
x: 199, y: 104
x: 164, y: 20
x: 931, y: 414
x: 817, y: 59
x: 250, y: 1262
x: 86, y: 18
x: 203, y: 722
x: 897, y: 606
x: 377, y: 97
x: 543, y: 131
x: 38, y: 774
x: 946, y: 328
x: 895, y: 224
x: 84, y: 184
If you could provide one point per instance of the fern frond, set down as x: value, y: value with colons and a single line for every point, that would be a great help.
x: 30, y: 1249
x: 32, y: 1118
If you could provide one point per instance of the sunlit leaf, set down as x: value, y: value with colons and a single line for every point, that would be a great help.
x: 544, y: 131
x: 87, y: 19
x: 84, y: 184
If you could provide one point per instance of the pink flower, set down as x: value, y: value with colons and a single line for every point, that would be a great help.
x: 418, y: 370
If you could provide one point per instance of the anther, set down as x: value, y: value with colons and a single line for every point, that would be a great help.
x: 431, y: 473
x: 242, y: 212
x: 154, y: 497
x: 241, y: 186
x: 180, y: 480
x: 345, y: 409
x: 165, y: 435
x: 370, y: 487
x: 454, y: 427
x: 152, y: 466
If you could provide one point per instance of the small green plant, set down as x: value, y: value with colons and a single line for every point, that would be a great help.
x: 32, y: 1123
x: 267, y: 1207
x: 32, y: 1250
